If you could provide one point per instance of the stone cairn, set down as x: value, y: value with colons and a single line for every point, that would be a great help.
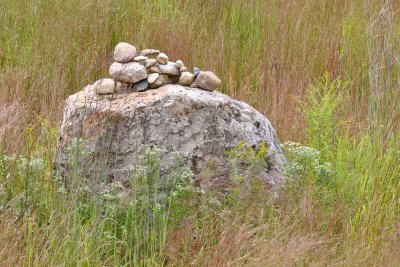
x: 149, y: 70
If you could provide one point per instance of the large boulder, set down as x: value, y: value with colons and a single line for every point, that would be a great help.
x: 201, y: 125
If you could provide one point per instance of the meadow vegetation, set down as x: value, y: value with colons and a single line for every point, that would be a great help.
x: 326, y: 73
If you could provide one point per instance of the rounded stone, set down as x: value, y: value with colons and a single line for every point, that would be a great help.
x: 186, y: 78
x: 105, y: 86
x: 149, y: 62
x: 152, y: 77
x: 162, y: 58
x: 161, y: 80
x: 179, y: 63
x: 207, y: 80
x: 141, y: 86
x: 128, y: 73
x: 154, y: 69
x: 124, y: 52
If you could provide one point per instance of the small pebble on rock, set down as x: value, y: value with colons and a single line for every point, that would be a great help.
x: 162, y: 58
x: 152, y: 77
x: 151, y: 68
x: 105, y: 86
x: 186, y: 78
x: 149, y: 52
x: 140, y: 59
x: 207, y: 80
x: 169, y: 69
x: 141, y: 86
x: 150, y: 62
x: 154, y: 69
x: 161, y: 80
x: 196, y: 71
x: 179, y: 63
x: 124, y: 52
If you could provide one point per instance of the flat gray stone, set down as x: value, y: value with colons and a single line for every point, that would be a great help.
x: 149, y: 52
x: 169, y: 69
x: 141, y: 59
x: 141, y: 86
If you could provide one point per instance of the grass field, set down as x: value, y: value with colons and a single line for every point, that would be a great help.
x: 327, y: 75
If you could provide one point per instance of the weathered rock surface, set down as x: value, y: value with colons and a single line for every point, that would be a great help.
x: 200, y: 125
x: 124, y: 52
x: 128, y: 73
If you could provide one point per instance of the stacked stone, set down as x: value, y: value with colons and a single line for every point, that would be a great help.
x: 150, y: 70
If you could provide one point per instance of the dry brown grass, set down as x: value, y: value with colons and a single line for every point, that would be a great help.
x: 287, y: 238
x: 13, y: 119
x: 241, y: 244
x: 267, y: 53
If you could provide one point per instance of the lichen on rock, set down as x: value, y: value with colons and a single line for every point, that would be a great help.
x: 200, y: 125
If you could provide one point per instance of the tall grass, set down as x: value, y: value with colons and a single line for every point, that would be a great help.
x: 266, y: 52
x: 78, y: 226
x: 327, y: 73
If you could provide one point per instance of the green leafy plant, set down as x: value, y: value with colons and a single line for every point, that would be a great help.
x: 244, y: 160
x: 305, y: 160
x: 320, y: 109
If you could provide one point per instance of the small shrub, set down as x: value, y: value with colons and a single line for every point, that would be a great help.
x: 320, y: 110
x: 247, y: 162
x: 305, y: 160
